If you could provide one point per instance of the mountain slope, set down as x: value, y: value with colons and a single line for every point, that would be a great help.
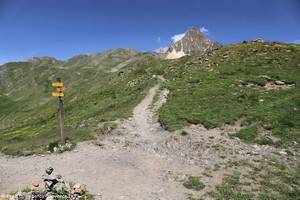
x: 104, y: 60
x: 256, y: 83
x: 92, y: 95
x: 232, y: 83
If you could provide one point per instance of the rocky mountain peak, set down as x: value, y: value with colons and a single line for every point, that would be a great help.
x: 194, y: 41
x: 194, y: 33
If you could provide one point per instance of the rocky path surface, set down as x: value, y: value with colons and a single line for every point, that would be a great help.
x: 139, y: 160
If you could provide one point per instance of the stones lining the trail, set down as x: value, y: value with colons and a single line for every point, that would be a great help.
x: 50, y: 187
x: 63, y: 147
x: 57, y: 147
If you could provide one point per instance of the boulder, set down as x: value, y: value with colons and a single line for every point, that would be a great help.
x: 50, y: 197
x: 79, y: 189
x: 279, y: 82
x: 39, y: 186
x: 259, y: 40
x: 22, y: 196
x: 37, y: 195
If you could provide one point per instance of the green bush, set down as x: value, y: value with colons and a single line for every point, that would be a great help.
x: 194, y: 183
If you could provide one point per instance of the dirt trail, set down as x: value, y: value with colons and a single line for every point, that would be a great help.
x: 138, y: 161
x: 115, y: 171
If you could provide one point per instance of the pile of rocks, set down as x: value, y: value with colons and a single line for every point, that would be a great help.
x: 57, y: 147
x: 51, y: 187
x: 63, y: 147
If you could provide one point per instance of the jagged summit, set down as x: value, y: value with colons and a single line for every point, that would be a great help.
x: 194, y: 41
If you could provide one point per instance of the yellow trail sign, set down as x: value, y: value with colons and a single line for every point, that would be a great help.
x: 57, y: 85
x: 60, y: 89
x: 57, y: 94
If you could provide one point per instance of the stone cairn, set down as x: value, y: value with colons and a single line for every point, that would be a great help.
x: 50, y: 187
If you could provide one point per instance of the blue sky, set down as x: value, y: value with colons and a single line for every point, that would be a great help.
x: 64, y: 28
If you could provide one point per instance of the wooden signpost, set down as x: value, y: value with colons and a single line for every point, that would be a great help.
x: 59, y: 86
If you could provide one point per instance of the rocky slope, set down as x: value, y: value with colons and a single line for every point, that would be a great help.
x: 194, y: 41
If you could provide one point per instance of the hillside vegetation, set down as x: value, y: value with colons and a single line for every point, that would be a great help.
x: 233, y: 83
x: 28, y: 115
x: 256, y: 83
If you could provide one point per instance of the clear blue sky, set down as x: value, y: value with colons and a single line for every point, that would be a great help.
x: 64, y: 28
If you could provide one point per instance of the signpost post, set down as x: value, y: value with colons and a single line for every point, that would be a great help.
x: 59, y: 86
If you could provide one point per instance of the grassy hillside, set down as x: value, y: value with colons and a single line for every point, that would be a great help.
x: 28, y: 115
x: 224, y: 86
x: 229, y: 85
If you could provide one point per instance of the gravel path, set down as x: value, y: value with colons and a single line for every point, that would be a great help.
x: 139, y: 160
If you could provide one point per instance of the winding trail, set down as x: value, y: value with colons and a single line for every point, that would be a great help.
x: 139, y: 160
